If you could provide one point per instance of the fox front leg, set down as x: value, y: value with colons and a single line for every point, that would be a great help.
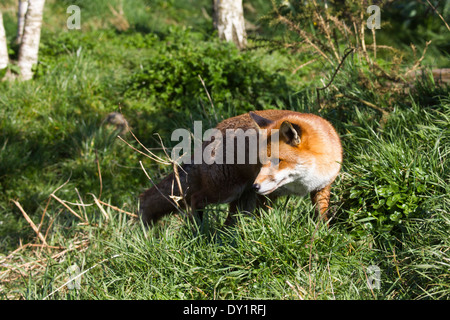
x: 198, y: 203
x: 321, y: 199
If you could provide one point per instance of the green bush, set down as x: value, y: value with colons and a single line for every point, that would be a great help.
x: 382, y: 197
x: 398, y: 174
x: 170, y: 77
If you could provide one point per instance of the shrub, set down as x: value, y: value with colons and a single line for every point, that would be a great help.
x: 170, y: 77
x: 396, y: 175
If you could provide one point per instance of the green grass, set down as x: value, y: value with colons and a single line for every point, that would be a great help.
x: 248, y: 261
x: 390, y: 202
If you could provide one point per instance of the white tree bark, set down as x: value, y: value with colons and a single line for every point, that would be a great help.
x: 23, y: 7
x: 28, y: 52
x: 229, y: 21
x: 3, y: 45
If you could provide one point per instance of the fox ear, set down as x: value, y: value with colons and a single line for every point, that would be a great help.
x: 290, y: 133
x: 259, y: 121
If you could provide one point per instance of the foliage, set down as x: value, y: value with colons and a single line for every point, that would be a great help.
x: 170, y: 77
x: 393, y: 172
x: 327, y: 31
x: 397, y: 174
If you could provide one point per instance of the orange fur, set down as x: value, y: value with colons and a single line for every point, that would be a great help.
x: 309, y: 150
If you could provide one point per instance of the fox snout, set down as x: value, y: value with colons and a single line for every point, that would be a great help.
x: 266, y: 186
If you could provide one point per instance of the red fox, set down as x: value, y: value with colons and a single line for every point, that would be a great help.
x: 304, y: 156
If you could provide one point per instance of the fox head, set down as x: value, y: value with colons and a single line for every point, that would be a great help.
x: 281, y: 141
x: 297, y: 154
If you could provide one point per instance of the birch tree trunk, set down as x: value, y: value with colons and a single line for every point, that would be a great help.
x: 28, y: 52
x: 23, y: 7
x: 229, y: 21
x: 3, y: 45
